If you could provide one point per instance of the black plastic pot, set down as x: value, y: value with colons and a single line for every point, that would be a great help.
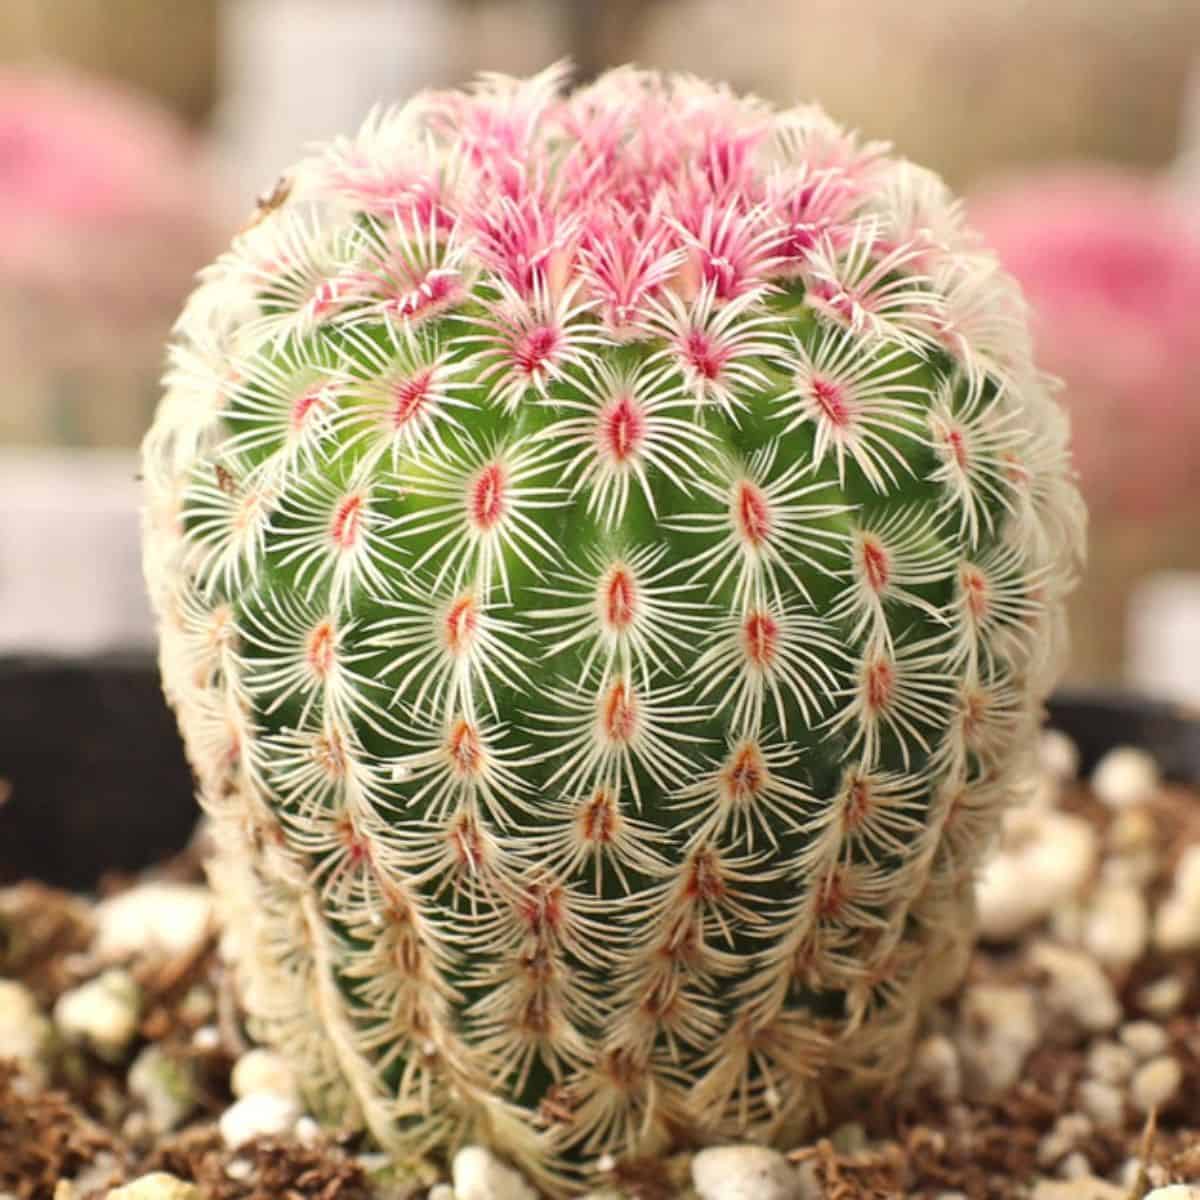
x: 97, y: 781
x: 93, y: 770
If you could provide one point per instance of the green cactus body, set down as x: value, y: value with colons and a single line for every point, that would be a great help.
x: 609, y: 554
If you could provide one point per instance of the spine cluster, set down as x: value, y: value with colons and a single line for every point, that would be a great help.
x: 609, y: 553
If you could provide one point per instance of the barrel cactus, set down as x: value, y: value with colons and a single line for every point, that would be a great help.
x: 609, y: 551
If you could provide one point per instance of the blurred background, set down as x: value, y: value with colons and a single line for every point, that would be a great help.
x: 136, y: 135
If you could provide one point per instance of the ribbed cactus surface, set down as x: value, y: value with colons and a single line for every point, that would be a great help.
x: 609, y: 552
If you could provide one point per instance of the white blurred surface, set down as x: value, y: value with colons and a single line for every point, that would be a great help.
x: 299, y: 71
x: 70, y: 553
x: 1164, y: 636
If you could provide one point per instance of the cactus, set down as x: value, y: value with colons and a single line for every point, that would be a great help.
x: 609, y: 553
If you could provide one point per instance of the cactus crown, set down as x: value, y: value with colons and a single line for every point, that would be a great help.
x: 609, y: 553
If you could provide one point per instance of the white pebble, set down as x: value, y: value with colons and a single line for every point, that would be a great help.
x: 1155, y: 1084
x: 1132, y: 868
x: 1058, y: 755
x: 1144, y: 1038
x: 24, y: 1030
x: 1069, y: 1130
x: 441, y: 1191
x: 1133, y: 1171
x: 998, y: 1029
x: 207, y: 1039
x: 1177, y: 925
x: 935, y: 1066
x: 1044, y: 861
x: 1103, y: 1103
x: 1175, y: 1191
x: 1177, y: 922
x: 1075, y: 1166
x: 1133, y: 830
x: 1163, y: 996
x: 102, y: 1013
x: 743, y: 1173
x: 261, y: 1114
x: 156, y: 1186
x: 1088, y: 1188
x: 239, y: 1169
x: 165, y: 1085
x: 306, y: 1131
x: 479, y: 1175
x: 1125, y: 776
x: 262, y: 1070
x: 161, y: 918
x: 1187, y: 874
x: 1077, y: 990
x: 1110, y: 1062
x: 1116, y: 925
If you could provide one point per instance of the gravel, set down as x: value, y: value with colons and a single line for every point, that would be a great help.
x: 1066, y: 1066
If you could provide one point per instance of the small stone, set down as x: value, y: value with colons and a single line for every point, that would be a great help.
x: 479, y: 1175
x: 159, y: 918
x: 1132, y: 831
x: 165, y: 1085
x: 1116, y: 925
x: 998, y: 1029
x: 1177, y: 925
x: 1135, y: 868
x: 1075, y: 1166
x: 1102, y: 1102
x: 1069, y: 1131
x: 1177, y: 922
x: 239, y: 1170
x: 25, y: 1033
x: 207, y: 1039
x: 1143, y: 1038
x: 102, y: 1014
x: 935, y: 1067
x: 441, y: 1191
x: 101, y: 1173
x: 1175, y: 1191
x: 198, y: 1005
x: 262, y: 1070
x: 1058, y: 755
x: 809, y: 1180
x: 1087, y: 1188
x: 1164, y: 996
x: 156, y: 1186
x: 1110, y: 1062
x: 1066, y: 923
x: 1077, y: 990
x: 1135, y: 1172
x: 1154, y: 1085
x: 1125, y: 776
x: 1044, y: 860
x: 744, y: 1173
x: 261, y: 1114
x: 1187, y: 873
x: 306, y: 1131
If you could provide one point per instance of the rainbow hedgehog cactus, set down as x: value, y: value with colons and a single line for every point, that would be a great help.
x: 609, y: 550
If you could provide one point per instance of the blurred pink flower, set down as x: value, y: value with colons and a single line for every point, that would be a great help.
x: 1111, y: 268
x: 105, y: 205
